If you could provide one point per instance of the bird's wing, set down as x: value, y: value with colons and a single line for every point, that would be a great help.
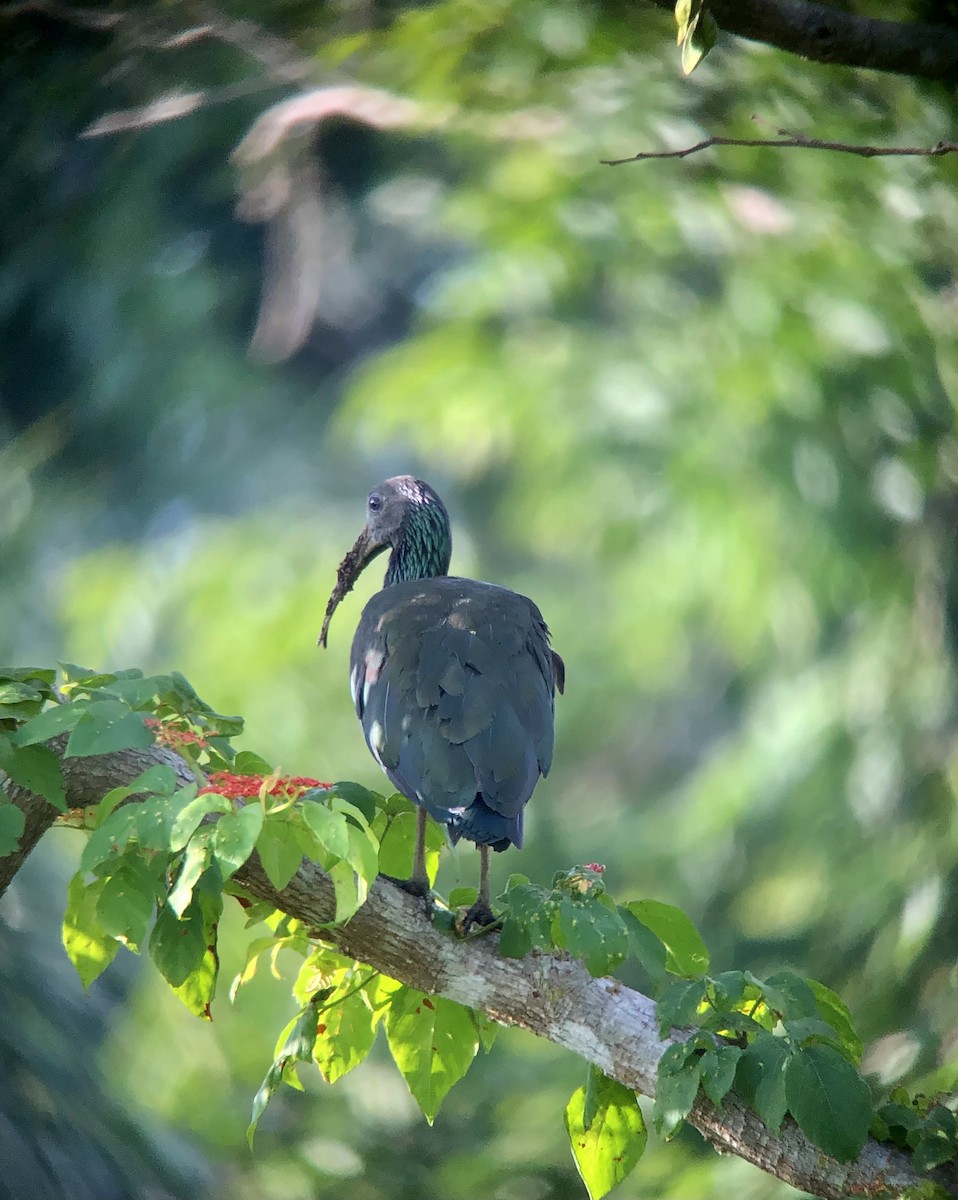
x: 454, y: 688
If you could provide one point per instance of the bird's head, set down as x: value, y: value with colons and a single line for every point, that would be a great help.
x: 403, y: 515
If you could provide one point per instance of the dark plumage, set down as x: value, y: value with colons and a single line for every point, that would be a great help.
x: 453, y: 679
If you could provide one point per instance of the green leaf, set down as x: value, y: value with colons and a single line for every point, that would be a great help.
x: 344, y: 1036
x: 159, y: 779
x: 12, y: 823
x: 21, y: 701
x: 358, y: 796
x: 110, y: 839
x: 363, y: 854
x: 329, y: 828
x: 48, y: 724
x: 195, y: 861
x: 529, y: 910
x: 678, y: 1006
x: 829, y: 1100
x: 190, y: 817
x: 644, y: 945
x: 398, y: 845
x: 88, y: 946
x: 177, y: 945
x: 717, y: 1069
x: 154, y: 818
x: 279, y: 851
x: 126, y: 902
x: 197, y: 989
x: 790, y: 996
x: 43, y: 675
x: 834, y: 1010
x: 728, y: 988
x: 248, y: 763
x: 433, y: 1041
x: 607, y: 1146
x: 761, y: 1078
x: 108, y: 725
x: 350, y: 889
x: 234, y: 837
x: 686, y: 953
x: 808, y: 1029
x: 488, y: 1030
x: 136, y: 691
x: 697, y: 32
x: 459, y: 897
x: 594, y: 934
x: 676, y: 1087
x: 296, y: 1045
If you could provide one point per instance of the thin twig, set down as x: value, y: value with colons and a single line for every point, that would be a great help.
x: 791, y: 140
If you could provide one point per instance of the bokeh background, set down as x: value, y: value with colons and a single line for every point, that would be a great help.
x: 702, y: 411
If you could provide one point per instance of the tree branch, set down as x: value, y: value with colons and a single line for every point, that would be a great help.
x: 550, y: 995
x: 792, y: 140
x: 827, y: 35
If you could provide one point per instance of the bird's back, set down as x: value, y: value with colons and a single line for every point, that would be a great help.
x: 454, y: 683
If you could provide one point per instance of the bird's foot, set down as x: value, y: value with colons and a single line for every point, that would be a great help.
x: 414, y: 887
x: 478, y: 919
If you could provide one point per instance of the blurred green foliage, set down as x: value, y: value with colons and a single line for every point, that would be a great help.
x: 702, y: 411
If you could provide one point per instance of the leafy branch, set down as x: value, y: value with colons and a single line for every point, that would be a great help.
x: 766, y: 1069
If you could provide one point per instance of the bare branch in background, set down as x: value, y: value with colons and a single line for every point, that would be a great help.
x: 790, y: 140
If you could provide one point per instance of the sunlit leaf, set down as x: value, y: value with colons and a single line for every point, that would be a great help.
x: 608, y: 1144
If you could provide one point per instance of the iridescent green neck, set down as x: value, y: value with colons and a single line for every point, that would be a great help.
x: 424, y: 547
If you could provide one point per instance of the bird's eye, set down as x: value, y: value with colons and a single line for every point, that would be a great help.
x: 375, y: 502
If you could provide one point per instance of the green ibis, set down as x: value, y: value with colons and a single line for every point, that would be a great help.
x: 453, y: 680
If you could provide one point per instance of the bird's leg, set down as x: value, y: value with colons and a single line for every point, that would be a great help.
x: 419, y: 876
x: 418, y: 883
x: 481, y: 913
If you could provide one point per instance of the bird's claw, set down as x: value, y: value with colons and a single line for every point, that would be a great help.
x: 478, y: 919
x: 415, y: 887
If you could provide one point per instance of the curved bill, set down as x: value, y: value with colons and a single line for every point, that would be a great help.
x: 349, y: 570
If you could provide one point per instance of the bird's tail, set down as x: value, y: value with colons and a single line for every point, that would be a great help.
x: 480, y: 824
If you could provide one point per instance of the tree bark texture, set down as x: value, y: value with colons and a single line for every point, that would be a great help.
x: 551, y: 995
x: 829, y: 35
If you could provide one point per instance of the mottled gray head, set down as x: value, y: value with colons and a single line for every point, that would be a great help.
x: 405, y: 516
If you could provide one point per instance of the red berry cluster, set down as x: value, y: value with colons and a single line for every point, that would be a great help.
x: 597, y: 867
x: 237, y: 786
x: 169, y: 733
